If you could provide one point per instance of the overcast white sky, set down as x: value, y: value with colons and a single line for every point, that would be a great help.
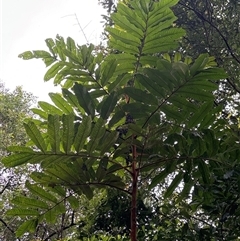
x: 25, y: 25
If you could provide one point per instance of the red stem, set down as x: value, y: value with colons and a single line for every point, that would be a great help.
x: 134, y: 197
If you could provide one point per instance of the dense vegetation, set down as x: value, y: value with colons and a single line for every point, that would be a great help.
x: 144, y: 131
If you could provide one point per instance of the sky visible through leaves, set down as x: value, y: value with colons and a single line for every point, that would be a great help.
x: 25, y: 26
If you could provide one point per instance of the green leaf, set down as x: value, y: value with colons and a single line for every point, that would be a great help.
x: 72, y: 99
x: 204, y: 171
x: 108, y: 141
x: 21, y: 212
x: 107, y: 70
x: 72, y: 57
x: 108, y: 105
x: 117, y: 117
x: 53, y: 70
x: 87, y: 191
x: 41, y: 54
x: 212, y: 73
x: 71, y: 45
x: 51, y: 159
x: 33, y: 188
x: 177, y: 57
x: 61, y: 103
x: 17, y: 159
x: 26, y: 55
x: 175, y: 182
x: 27, y: 226
x: 50, y: 43
x: 35, y: 135
x: 84, y: 98
x: 51, y: 109
x: 198, y: 145
x: 54, y: 132
x: 120, y: 81
x: 68, y: 132
x: 74, y: 202
x: 138, y: 110
x: 20, y: 149
x: 140, y: 95
x: 200, y: 114
x: 197, y: 94
x: 39, y: 112
x: 199, y: 64
x: 83, y: 132
x: 136, y: 28
x: 29, y: 202
x: 150, y: 85
x: 50, y: 216
x: 158, y: 178
x: 102, y: 169
x: 212, y: 144
x: 97, y: 132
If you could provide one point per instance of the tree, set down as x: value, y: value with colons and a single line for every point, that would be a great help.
x: 134, y: 116
x: 213, y: 27
x: 14, y: 108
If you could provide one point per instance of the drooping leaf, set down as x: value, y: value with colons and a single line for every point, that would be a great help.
x: 20, y: 149
x: 199, y: 115
x: 54, y: 132
x: 29, y: 202
x: 72, y: 99
x: 68, y: 132
x: 74, y: 202
x: 96, y: 134
x: 108, y: 141
x: 107, y: 70
x: 27, y: 226
x: 33, y: 188
x: 102, y: 169
x: 83, y: 132
x: 199, y: 64
x: 53, y: 70
x: 61, y: 103
x: 17, y: 159
x: 204, y: 171
x: 40, y: 113
x: 140, y: 96
x: 84, y: 98
x: 35, y: 135
x: 50, y: 216
x: 21, y: 212
x: 108, y: 105
x: 175, y: 182
x: 51, y: 109
x: 158, y: 178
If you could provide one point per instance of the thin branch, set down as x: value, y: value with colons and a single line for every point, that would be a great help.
x: 5, y: 187
x: 216, y: 28
x: 6, y: 225
x: 233, y: 85
x: 64, y: 228
x: 109, y: 185
x: 78, y: 23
